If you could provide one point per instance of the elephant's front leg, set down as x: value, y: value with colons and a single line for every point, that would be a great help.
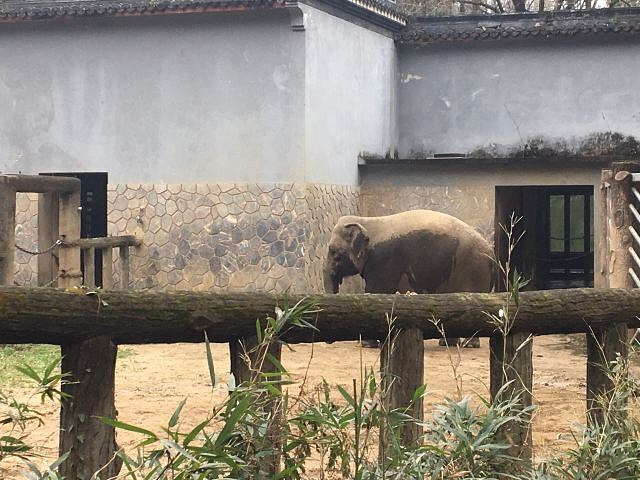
x: 380, y: 284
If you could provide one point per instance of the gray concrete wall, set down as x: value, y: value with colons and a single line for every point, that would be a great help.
x: 350, y: 96
x: 459, y: 98
x: 176, y: 98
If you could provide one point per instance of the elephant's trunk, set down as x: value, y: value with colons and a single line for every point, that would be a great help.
x: 331, y: 283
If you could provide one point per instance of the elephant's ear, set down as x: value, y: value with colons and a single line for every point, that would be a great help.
x: 359, y: 239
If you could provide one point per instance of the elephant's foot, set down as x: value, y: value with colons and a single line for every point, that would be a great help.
x: 370, y: 344
x: 473, y: 342
x: 449, y: 342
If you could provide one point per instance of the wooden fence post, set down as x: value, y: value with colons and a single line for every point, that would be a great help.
x: 244, y: 372
x: 604, y: 344
x: 124, y: 267
x: 48, y: 226
x: 511, y: 362
x: 91, y: 444
x: 91, y: 365
x: 107, y: 268
x: 402, y: 370
x: 7, y: 234
x: 89, y: 257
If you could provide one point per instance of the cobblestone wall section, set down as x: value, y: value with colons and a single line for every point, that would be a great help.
x: 26, y: 237
x: 240, y: 237
x: 325, y: 205
x: 473, y: 204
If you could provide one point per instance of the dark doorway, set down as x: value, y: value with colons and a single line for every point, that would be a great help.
x: 93, y: 221
x: 556, y: 250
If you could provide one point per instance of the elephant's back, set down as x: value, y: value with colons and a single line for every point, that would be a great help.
x: 436, y: 222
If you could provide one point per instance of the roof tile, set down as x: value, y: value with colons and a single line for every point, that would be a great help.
x: 428, y: 30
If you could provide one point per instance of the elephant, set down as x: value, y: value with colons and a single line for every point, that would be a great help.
x: 418, y: 250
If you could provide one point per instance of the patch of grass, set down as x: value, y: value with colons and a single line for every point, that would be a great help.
x: 126, y: 352
x: 11, y: 356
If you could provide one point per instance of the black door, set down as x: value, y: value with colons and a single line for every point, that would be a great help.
x: 565, y: 259
x: 93, y: 199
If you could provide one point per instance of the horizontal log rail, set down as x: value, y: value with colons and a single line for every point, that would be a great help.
x: 110, y: 242
x: 46, y: 315
x: 40, y: 183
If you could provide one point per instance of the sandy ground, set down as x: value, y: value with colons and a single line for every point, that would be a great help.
x: 153, y: 379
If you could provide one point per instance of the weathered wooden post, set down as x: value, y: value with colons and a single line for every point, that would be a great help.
x: 7, y: 232
x: 91, y: 365
x: 615, y: 239
x: 510, y: 361
x: 107, y: 268
x: 48, y: 226
x: 402, y: 371
x: 124, y: 267
x: 89, y: 257
x: 248, y: 360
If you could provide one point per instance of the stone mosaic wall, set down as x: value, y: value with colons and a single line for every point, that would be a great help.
x: 239, y: 237
x: 471, y: 204
x: 27, y: 238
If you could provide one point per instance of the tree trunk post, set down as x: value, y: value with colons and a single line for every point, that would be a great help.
x: 512, y: 362
x: 69, y: 230
x: 89, y: 257
x: 402, y: 371
x: 124, y: 267
x: 91, y: 365
x: 604, y: 344
x: 91, y: 444
x: 240, y: 351
x: 48, y: 226
x: 7, y: 234
x: 107, y: 268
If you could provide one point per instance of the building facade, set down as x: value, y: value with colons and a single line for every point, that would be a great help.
x: 236, y: 133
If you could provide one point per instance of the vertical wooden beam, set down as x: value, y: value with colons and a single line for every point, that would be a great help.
x: 601, y: 275
x: 243, y: 372
x: 89, y: 255
x: 7, y: 234
x: 48, y: 226
x: 69, y: 230
x: 124, y: 267
x: 91, y: 365
x: 107, y: 268
x: 509, y: 361
x: 90, y: 442
x: 621, y: 219
x: 402, y: 367
x: 605, y: 344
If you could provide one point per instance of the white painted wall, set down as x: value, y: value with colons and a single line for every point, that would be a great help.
x: 174, y: 98
x: 349, y: 99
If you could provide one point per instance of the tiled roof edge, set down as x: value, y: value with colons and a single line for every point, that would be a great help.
x: 431, y: 30
x: 381, y: 12
x: 40, y: 10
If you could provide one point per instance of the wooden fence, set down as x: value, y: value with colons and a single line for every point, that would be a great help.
x: 91, y: 363
x: 42, y: 315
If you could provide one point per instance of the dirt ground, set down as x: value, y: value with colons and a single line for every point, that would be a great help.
x: 153, y: 379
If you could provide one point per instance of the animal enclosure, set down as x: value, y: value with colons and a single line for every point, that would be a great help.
x: 88, y: 336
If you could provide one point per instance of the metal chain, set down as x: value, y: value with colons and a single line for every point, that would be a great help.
x: 56, y: 244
